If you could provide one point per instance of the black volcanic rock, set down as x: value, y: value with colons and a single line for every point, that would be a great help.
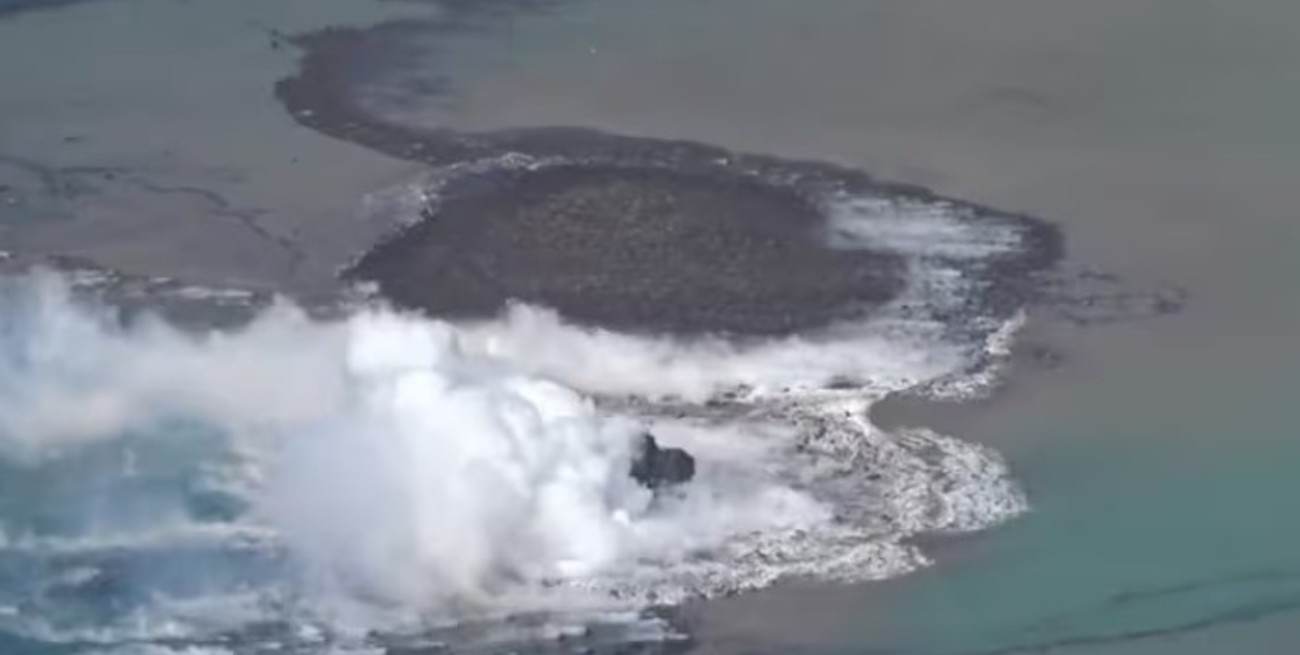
x: 657, y: 467
x: 633, y: 248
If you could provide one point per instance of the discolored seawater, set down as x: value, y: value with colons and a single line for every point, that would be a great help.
x: 1159, y: 456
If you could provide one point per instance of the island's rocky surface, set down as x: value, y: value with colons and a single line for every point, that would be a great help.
x: 631, y: 233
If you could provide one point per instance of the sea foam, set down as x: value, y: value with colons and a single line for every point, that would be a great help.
x: 383, y: 472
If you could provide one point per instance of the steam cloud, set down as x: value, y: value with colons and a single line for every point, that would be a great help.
x: 413, y: 470
x: 402, y: 460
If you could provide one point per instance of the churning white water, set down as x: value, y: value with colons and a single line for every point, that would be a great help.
x: 386, y: 471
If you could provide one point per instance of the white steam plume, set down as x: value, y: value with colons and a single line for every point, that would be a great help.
x: 402, y: 460
x: 420, y: 470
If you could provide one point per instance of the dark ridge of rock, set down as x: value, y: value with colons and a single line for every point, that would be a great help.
x: 656, y: 467
x: 10, y: 8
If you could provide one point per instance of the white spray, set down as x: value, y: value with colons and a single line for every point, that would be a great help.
x: 431, y: 470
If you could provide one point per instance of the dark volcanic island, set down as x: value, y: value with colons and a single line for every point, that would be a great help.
x: 634, y: 249
x: 628, y: 233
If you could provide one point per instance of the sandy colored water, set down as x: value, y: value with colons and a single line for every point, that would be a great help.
x: 1160, y: 456
x: 161, y: 115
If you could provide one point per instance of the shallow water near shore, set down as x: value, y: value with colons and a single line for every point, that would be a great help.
x: 1156, y: 529
x: 1159, y: 456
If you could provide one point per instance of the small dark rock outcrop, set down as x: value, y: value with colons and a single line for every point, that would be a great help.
x: 657, y: 467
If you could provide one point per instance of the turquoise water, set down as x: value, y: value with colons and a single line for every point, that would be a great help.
x: 1163, y: 522
x: 1138, y: 531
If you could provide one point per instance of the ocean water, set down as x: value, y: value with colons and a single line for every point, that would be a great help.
x: 1158, y: 457
x: 150, y: 111
x: 1156, y: 527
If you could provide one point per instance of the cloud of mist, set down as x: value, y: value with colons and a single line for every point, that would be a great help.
x: 401, y: 462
